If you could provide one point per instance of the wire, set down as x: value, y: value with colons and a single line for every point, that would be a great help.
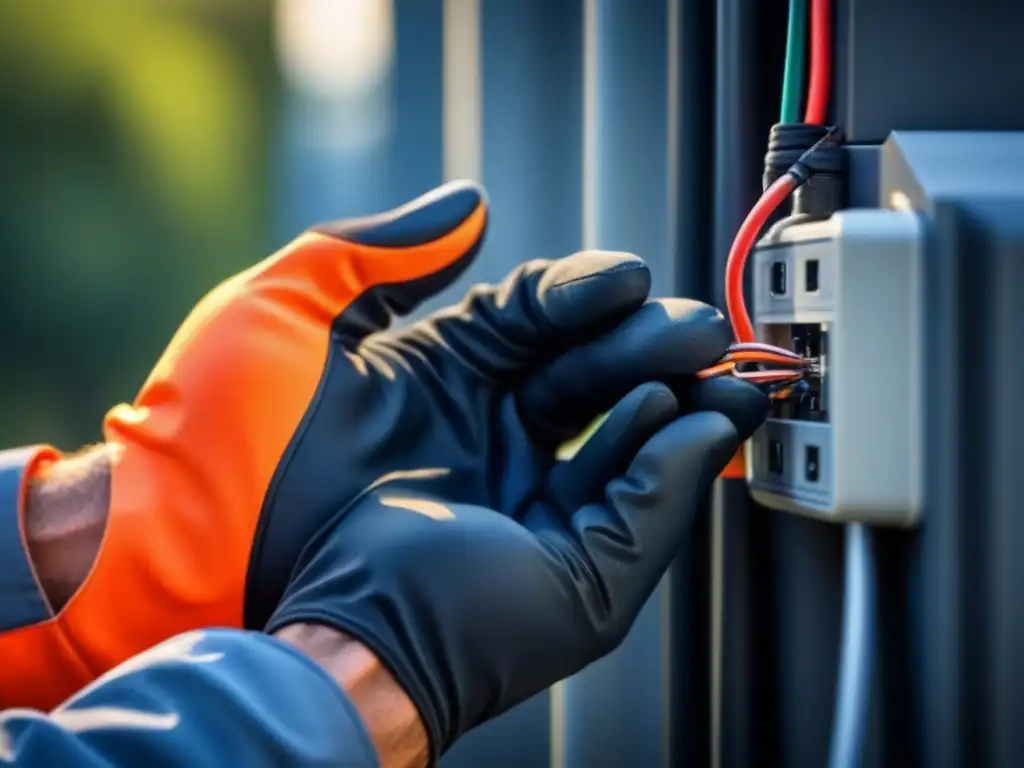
x: 769, y: 358
x: 760, y: 346
x: 742, y: 244
x: 853, y: 693
x: 821, y: 62
x: 793, y: 72
x: 775, y: 369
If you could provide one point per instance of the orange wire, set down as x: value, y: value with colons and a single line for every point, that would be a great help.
x: 716, y: 370
x: 764, y: 377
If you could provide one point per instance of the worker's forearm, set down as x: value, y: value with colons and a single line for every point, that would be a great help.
x: 65, y: 516
x: 388, y: 713
x: 217, y: 697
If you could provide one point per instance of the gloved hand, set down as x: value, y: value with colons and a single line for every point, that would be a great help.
x: 475, y: 600
x: 279, y: 401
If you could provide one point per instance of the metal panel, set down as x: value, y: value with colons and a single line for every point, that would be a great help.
x: 963, y: 569
x: 927, y: 65
x: 616, y: 710
x: 691, y: 130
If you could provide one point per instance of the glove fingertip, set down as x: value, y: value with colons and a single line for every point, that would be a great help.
x: 742, y: 403
x: 428, y: 218
x: 389, y: 264
x: 593, y: 287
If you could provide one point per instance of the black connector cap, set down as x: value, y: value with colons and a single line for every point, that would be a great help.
x: 812, y: 153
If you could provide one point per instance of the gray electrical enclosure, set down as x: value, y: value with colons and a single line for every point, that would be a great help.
x: 845, y: 290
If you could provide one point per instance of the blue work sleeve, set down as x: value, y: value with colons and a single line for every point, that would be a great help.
x: 206, y: 698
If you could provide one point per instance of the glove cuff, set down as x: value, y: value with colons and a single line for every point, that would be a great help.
x: 24, y: 602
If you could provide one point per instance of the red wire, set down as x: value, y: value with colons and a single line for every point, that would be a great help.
x: 817, y: 109
x: 821, y: 62
x: 743, y: 243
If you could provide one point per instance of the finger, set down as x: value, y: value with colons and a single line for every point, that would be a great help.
x: 630, y: 539
x: 541, y: 309
x: 607, y: 454
x: 742, y: 403
x: 664, y: 340
x: 364, y: 271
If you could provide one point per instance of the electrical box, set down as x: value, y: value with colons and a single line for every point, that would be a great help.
x: 847, y: 446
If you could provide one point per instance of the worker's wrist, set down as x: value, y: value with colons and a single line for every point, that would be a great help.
x: 65, y: 516
x: 390, y: 717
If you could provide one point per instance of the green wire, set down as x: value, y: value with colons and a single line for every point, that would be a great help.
x: 793, y: 76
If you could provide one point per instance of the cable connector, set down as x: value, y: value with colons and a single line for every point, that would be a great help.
x: 815, y: 160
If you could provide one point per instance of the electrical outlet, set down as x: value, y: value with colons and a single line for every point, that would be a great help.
x: 846, y: 445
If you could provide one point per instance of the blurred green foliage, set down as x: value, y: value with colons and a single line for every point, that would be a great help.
x: 134, y: 147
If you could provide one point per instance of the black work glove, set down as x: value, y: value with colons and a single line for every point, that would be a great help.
x: 479, y: 568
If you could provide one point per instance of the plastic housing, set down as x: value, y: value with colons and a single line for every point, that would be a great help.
x: 857, y: 277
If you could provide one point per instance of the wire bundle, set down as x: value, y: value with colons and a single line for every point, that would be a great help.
x: 776, y: 368
x: 780, y: 190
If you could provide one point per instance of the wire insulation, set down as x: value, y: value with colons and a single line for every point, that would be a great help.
x: 793, y: 72
x: 853, y: 694
x: 742, y: 244
x: 821, y: 62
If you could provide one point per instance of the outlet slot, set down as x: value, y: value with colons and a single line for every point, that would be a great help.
x: 812, y: 463
x: 777, y: 280
x: 776, y: 457
x: 812, y: 276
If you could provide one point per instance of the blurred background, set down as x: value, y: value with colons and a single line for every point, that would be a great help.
x: 137, y: 141
x: 151, y: 148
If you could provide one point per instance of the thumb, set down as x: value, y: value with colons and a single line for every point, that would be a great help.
x: 631, y: 538
x: 361, y: 272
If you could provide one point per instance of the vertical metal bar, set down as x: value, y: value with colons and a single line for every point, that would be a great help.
x: 615, y: 709
x: 335, y: 133
x: 461, y: 92
x: 669, y: 629
x: 735, y: 190
x: 590, y: 125
x: 690, y: 104
x: 717, y: 619
x: 416, y: 153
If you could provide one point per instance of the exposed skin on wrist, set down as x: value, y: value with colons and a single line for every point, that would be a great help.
x: 388, y: 713
x: 64, y: 519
